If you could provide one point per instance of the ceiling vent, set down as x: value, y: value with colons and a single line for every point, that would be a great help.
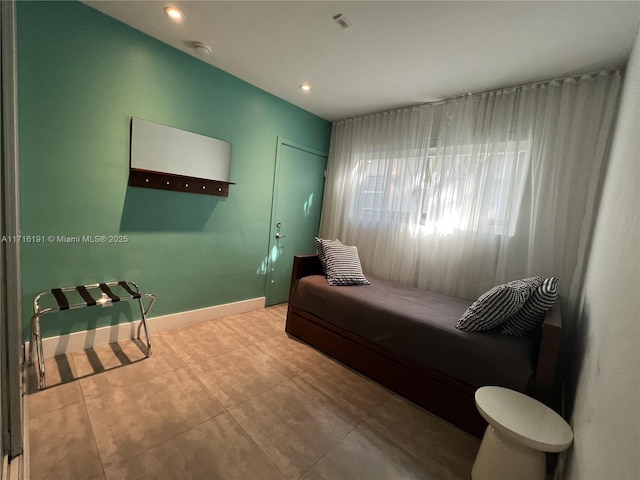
x: 201, y: 48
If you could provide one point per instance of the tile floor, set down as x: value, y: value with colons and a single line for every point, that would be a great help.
x: 233, y: 398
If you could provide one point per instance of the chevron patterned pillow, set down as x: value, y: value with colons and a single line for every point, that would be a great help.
x: 527, y: 321
x: 497, y: 305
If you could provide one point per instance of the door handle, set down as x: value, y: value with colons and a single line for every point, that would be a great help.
x: 279, y: 235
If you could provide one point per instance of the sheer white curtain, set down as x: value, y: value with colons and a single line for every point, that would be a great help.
x: 462, y: 195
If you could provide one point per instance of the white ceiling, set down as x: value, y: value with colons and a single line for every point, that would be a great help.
x: 395, y: 53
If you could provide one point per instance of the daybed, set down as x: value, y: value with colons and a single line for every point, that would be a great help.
x: 405, y: 339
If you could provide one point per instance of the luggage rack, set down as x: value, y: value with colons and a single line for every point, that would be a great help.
x: 107, y: 298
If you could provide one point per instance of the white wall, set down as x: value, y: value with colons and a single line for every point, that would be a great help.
x: 606, y: 410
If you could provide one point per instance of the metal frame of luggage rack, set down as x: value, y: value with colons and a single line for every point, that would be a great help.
x: 106, y: 299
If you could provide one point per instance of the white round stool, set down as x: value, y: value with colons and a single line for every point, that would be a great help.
x: 520, y: 431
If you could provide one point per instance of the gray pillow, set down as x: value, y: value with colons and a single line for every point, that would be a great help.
x: 342, y: 265
x: 528, y: 320
x: 497, y: 305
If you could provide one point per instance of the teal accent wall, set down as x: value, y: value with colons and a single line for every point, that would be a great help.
x: 82, y: 76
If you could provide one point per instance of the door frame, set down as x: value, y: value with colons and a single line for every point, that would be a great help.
x: 10, y: 277
x: 282, y: 142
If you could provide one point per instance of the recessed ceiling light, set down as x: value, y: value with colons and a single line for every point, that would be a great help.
x: 305, y: 87
x: 174, y: 14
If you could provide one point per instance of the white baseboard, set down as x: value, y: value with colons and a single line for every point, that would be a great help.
x: 59, y: 345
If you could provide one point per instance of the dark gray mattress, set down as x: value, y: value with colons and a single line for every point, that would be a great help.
x: 420, y: 326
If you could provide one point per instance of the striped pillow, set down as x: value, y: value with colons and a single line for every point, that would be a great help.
x: 527, y: 321
x: 343, y: 265
x: 497, y: 305
x: 320, y: 243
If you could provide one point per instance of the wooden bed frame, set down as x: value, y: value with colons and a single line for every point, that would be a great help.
x: 445, y: 396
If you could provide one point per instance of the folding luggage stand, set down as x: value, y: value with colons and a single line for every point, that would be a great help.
x: 107, y: 299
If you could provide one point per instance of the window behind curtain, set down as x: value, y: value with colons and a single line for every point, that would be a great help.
x: 456, y: 187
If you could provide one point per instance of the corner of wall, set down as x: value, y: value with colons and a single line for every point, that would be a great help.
x: 604, y: 383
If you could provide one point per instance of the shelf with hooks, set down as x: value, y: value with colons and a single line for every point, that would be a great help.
x: 178, y: 183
